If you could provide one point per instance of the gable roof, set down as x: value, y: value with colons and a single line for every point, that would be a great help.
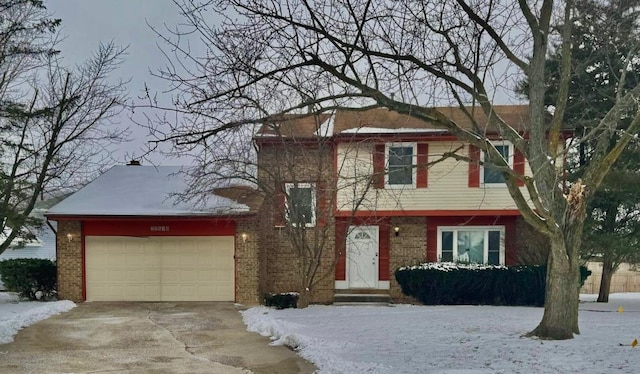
x: 385, y: 121
x: 142, y: 191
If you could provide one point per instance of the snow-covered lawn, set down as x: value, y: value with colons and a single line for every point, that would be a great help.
x: 15, y: 315
x: 454, y: 339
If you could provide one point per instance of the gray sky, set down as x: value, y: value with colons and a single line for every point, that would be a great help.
x: 86, y: 23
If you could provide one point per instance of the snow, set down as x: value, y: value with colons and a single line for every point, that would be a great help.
x: 454, y: 339
x: 15, y: 314
x: 326, y: 127
x: 379, y: 130
x: 450, y: 266
x: 141, y: 191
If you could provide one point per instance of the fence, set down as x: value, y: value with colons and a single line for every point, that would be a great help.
x: 625, y: 279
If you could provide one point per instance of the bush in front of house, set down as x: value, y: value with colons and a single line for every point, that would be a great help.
x: 476, y: 284
x: 282, y: 300
x: 31, y: 278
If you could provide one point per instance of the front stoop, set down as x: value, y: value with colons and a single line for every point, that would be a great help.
x: 362, y: 297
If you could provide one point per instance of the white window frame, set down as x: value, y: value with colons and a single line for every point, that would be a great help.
x: 509, y: 161
x: 486, y: 230
x: 414, y: 162
x: 312, y: 186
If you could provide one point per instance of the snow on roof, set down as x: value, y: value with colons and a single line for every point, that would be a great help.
x: 326, y: 127
x: 142, y: 191
x: 378, y: 130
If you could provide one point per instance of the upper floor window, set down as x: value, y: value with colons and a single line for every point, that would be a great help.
x: 301, y: 204
x: 401, y: 161
x: 491, y: 175
x: 472, y: 244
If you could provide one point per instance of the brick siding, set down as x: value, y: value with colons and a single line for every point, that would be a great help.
x: 69, y: 261
x: 408, y: 248
x: 280, y: 260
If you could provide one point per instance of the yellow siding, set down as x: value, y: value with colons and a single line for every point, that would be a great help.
x: 448, y: 184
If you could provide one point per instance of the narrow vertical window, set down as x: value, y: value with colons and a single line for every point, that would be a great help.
x: 301, y: 204
x: 401, y: 161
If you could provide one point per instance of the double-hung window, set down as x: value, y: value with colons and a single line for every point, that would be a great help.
x: 301, y: 204
x: 471, y: 244
x: 490, y: 175
x: 401, y: 161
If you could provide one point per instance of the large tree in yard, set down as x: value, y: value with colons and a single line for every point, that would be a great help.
x: 54, y: 120
x: 271, y: 58
x: 604, y: 44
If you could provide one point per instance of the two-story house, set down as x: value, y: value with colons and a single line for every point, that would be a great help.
x: 390, y: 192
x: 341, y: 200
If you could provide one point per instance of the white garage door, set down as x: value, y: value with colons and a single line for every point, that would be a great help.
x: 159, y: 268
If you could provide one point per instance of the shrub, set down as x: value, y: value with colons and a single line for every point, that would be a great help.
x: 27, y: 276
x: 476, y: 284
x: 282, y: 300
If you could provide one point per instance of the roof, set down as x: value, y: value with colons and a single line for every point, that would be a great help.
x: 385, y: 121
x: 142, y: 191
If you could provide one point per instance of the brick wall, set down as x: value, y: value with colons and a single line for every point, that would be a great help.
x: 247, y: 265
x: 409, y: 247
x: 280, y: 248
x: 69, y: 261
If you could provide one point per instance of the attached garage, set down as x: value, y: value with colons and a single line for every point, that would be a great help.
x: 159, y: 268
x: 127, y: 236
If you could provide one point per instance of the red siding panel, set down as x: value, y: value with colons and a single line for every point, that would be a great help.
x: 474, y: 166
x: 159, y: 227
x: 341, y: 255
x: 423, y: 171
x: 378, y: 166
x: 384, y: 254
x: 509, y: 222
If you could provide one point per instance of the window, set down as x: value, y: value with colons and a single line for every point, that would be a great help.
x: 301, y: 204
x: 471, y: 244
x: 491, y: 175
x: 401, y: 158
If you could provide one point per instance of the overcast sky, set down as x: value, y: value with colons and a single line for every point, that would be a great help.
x: 86, y: 23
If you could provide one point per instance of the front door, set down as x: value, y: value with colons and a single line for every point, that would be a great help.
x: 362, y: 257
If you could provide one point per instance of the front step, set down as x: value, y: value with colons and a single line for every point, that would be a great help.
x: 362, y: 299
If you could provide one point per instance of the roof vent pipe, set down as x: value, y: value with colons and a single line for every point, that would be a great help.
x: 134, y: 163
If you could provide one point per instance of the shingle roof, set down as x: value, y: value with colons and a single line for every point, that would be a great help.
x: 142, y: 191
x: 309, y: 125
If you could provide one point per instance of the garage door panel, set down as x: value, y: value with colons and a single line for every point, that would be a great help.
x: 160, y: 269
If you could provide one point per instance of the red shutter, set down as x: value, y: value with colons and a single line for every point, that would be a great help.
x: 341, y: 256
x: 279, y: 211
x: 378, y: 166
x: 384, y: 256
x: 518, y: 165
x: 474, y: 166
x: 423, y: 169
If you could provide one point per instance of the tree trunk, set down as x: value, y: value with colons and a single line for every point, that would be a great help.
x: 605, y: 281
x: 560, y: 319
x: 304, y: 299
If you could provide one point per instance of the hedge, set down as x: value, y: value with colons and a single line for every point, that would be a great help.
x: 31, y: 278
x: 475, y: 284
x: 282, y: 300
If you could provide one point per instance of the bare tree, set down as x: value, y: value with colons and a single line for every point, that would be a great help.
x: 54, y: 120
x: 263, y: 56
x: 289, y: 163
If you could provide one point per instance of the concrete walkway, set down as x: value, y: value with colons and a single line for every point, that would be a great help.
x: 146, y: 338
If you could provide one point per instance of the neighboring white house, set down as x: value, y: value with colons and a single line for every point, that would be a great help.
x: 44, y: 244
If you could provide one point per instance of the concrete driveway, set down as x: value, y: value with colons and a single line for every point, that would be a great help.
x: 146, y: 338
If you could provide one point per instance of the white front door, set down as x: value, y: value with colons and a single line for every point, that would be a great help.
x: 362, y: 257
